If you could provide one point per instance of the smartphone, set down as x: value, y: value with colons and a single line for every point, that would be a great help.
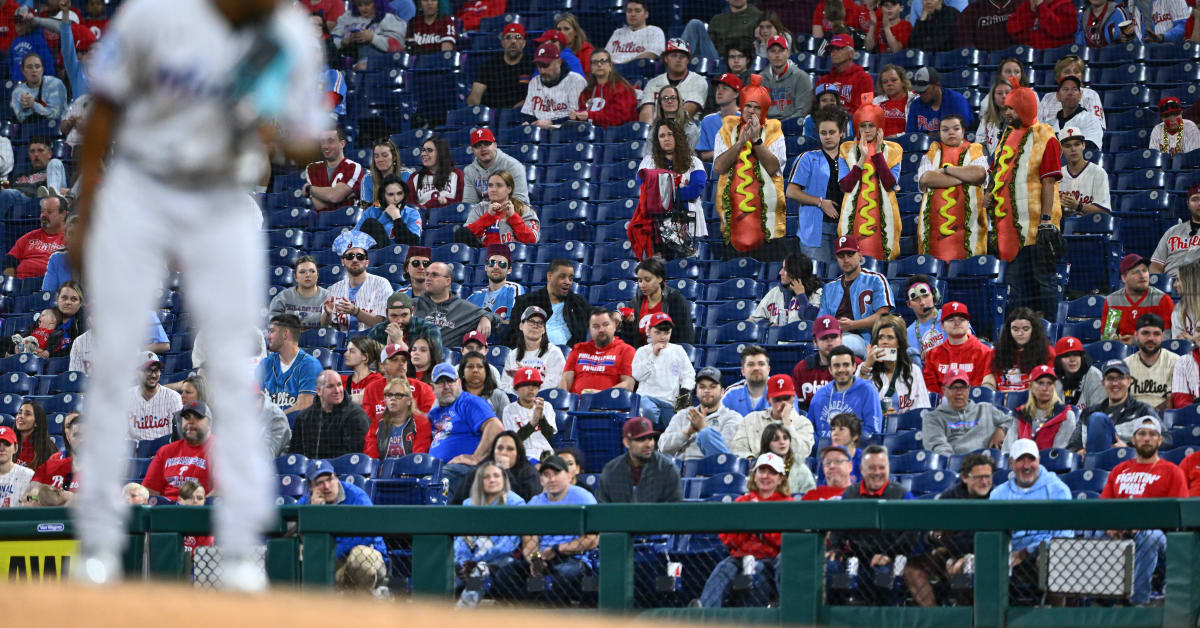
x: 889, y: 355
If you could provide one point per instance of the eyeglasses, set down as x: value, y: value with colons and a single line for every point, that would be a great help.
x: 602, y: 61
x: 535, y: 323
x: 394, y: 396
x: 423, y: 263
x: 980, y: 476
x: 669, y: 98
x: 513, y: 37
x: 497, y: 262
x: 918, y: 292
x: 358, y: 256
x: 835, y: 462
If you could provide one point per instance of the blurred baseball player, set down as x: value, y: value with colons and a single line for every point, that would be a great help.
x: 184, y: 89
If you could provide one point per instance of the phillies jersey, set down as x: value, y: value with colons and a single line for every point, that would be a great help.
x: 1174, y: 242
x: 626, y: 44
x: 1089, y: 186
x: 424, y: 37
x: 1135, y: 479
x: 553, y: 102
x: 33, y: 251
x: 176, y: 463
x: 868, y: 292
x: 150, y: 419
x: 58, y: 472
x: 1152, y: 301
x: 498, y: 301
x: 318, y: 174
x: 284, y: 386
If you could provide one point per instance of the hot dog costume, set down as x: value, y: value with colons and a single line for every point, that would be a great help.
x: 749, y: 200
x: 950, y: 224
x: 869, y: 208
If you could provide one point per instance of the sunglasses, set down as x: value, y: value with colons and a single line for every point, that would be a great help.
x: 423, y: 263
x: 917, y: 293
x: 358, y: 256
x: 497, y: 262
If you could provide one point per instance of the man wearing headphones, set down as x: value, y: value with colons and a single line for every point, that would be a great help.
x: 926, y: 331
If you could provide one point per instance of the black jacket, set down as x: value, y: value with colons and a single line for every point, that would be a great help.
x: 961, y: 542
x: 1123, y: 412
x: 524, y: 482
x: 865, y: 544
x: 659, y: 483
x: 575, y: 311
x: 321, y: 435
x: 674, y: 305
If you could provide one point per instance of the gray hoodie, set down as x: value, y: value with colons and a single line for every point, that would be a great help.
x: 947, y: 432
x: 475, y: 178
x: 791, y: 94
x: 454, y: 317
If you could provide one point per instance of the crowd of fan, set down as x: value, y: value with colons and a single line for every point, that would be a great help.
x: 418, y: 377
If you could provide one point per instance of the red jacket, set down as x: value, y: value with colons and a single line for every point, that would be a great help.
x: 1044, y: 437
x: 853, y: 84
x: 1191, y: 470
x: 1052, y: 26
x: 757, y: 544
x: 612, y: 104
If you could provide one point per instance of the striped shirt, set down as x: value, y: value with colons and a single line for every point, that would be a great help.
x: 150, y: 419
x: 371, y: 298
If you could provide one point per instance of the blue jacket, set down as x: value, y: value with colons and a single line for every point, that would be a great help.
x: 861, y: 400
x: 868, y: 292
x: 354, y: 497
x: 1109, y: 33
x: 25, y: 44
x: 408, y: 215
x: 737, y: 398
x: 501, y: 545
x: 924, y: 119
x: 810, y: 171
x: 1047, y: 486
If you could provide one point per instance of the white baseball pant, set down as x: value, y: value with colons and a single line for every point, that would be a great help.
x: 140, y: 225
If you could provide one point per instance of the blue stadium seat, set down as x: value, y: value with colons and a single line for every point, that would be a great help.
x: 570, y: 250
x: 741, y: 267
x: 798, y: 331
x: 411, y: 466
x: 613, y: 211
x: 904, y: 422
x: 69, y: 382
x: 564, y: 212
x: 625, y: 151
x: 476, y: 116
x: 914, y: 461
x: 17, y: 383
x: 291, y: 464
x: 358, y: 464
x: 1137, y: 160
x: 147, y: 448
x: 619, y: 290
x: 1101, y: 352
x: 566, y: 231
x: 1085, y: 331
x: 1086, y: 307
x: 1178, y: 346
x: 723, y: 484
x: 323, y: 337
x: 740, y: 331
x: 1106, y: 460
x: 627, y: 133
x: 728, y: 311
x: 1185, y: 435
x: 734, y: 289
x: 932, y: 482
x: 1149, y: 179
x: 282, y: 276
x: 979, y: 394
x: 916, y: 265
x: 604, y: 402
x: 26, y: 363
x: 571, y: 156
x: 1085, y: 480
x: 612, y: 271
x: 292, y: 486
x: 561, y: 400
x: 907, y: 441
x: 1149, y: 200
x: 688, y: 288
x: 10, y: 403
x: 977, y: 266
x: 1059, y: 460
x: 1177, y: 454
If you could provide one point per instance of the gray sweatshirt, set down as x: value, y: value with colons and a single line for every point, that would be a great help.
x: 309, y: 310
x: 947, y: 432
x: 475, y: 178
x: 676, y: 442
x: 454, y: 317
x: 276, y: 429
x: 1092, y: 390
x: 791, y: 94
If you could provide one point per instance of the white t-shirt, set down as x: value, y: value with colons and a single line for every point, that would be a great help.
x: 152, y: 419
x: 903, y: 398
x: 516, y: 416
x: 1090, y: 186
x: 170, y: 67
x: 693, y: 88
x: 552, y: 103
x: 626, y: 44
x: 13, y: 486
x: 1152, y: 384
x: 988, y: 134
x: 371, y: 298
x: 700, y: 226
x: 1049, y: 106
x: 550, y: 364
x: 778, y: 148
x: 1189, y: 137
x: 1088, y: 123
x: 927, y: 165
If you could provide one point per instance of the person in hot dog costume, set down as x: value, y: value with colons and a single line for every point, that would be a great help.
x: 872, y: 166
x: 951, y: 224
x: 750, y: 153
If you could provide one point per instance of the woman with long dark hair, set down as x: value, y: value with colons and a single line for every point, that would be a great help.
x: 1022, y: 346
x: 478, y: 380
x: 438, y: 183
x: 55, y: 482
x: 776, y: 440
x: 607, y: 99
x: 391, y: 218
x: 369, y: 28
x: 423, y: 355
x: 385, y: 162
x: 362, y: 360
x: 508, y: 452
x: 1079, y: 383
x: 890, y: 368
x: 69, y: 302
x: 672, y: 150
x: 534, y: 351
x: 798, y: 289
x: 654, y: 295
x: 33, y: 432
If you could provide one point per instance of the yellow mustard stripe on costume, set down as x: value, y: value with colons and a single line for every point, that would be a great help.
x: 745, y: 172
x: 948, y: 219
x: 867, y: 227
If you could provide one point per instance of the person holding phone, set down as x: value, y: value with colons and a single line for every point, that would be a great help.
x: 889, y: 367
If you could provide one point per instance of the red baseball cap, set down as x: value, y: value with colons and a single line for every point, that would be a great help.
x: 841, y: 41
x: 660, y: 318
x: 8, y: 435
x: 526, y: 375
x: 547, y: 53
x: 553, y: 35
x: 677, y: 45
x: 513, y: 27
x: 1169, y: 106
x: 955, y: 375
x: 954, y: 308
x: 826, y: 326
x: 1194, y: 190
x: 1068, y: 344
x: 778, y: 40
x: 1040, y: 371
x: 637, y: 427
x: 475, y: 336
x: 1131, y: 260
x: 482, y: 135
x: 846, y: 243
x: 730, y: 80
x: 780, y: 386
x: 393, y: 350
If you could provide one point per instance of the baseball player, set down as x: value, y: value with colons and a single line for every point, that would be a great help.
x: 151, y: 405
x: 201, y: 77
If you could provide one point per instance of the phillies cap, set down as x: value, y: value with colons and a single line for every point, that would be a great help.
x: 1146, y: 422
x: 150, y: 360
x: 1023, y: 447
x: 778, y: 40
x: 1071, y: 133
x: 1067, y: 345
x: 499, y: 250
x: 710, y: 373
x: 730, y: 80
x: 199, y: 408
x: 780, y: 386
x: 475, y: 336
x: 553, y: 35
x: 318, y: 468
x: 769, y: 460
x: 677, y: 45
x: 547, y: 53
x: 1040, y: 371
x: 846, y: 244
x: 1115, y: 365
x: 532, y: 311
x: 661, y: 318
x: 526, y: 375
x: 1131, y: 260
x: 841, y: 41
x: 925, y: 77
x: 637, y: 427
x: 445, y: 369
x: 513, y: 27
x: 1169, y: 106
x: 954, y: 308
x: 8, y: 435
x: 419, y: 251
x: 955, y: 375
x: 826, y: 326
x: 393, y: 350
x: 482, y: 135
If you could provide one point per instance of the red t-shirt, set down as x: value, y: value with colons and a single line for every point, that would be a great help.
x: 647, y: 311
x: 96, y: 25
x: 8, y: 28
x: 1191, y: 470
x: 360, y: 388
x: 424, y: 37
x: 823, y: 493
x: 176, y: 463
x: 599, y: 368
x: 1016, y: 380
x: 853, y: 84
x: 55, y: 471
x: 895, y: 118
x: 190, y: 543
x: 348, y: 172
x: 1132, y: 479
x: 901, y: 30
x: 26, y: 453
x: 33, y: 251
x: 330, y: 9
x: 972, y: 357
x: 855, y: 13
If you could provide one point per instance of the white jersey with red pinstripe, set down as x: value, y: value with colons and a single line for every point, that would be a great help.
x: 151, y: 418
x: 1186, y: 378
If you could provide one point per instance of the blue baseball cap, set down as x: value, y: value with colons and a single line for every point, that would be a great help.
x: 445, y: 369
x: 318, y: 468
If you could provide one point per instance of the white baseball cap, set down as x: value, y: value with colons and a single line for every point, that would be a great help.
x: 1023, y: 447
x: 1147, y: 422
x: 770, y: 460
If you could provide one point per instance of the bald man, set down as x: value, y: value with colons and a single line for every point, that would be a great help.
x: 331, y: 428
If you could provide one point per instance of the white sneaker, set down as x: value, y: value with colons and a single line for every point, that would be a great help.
x: 100, y: 569
x: 242, y: 575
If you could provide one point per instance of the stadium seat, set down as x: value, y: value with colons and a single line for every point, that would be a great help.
x: 358, y: 464
x: 794, y: 332
x: 739, y: 331
x: 979, y: 394
x: 1085, y: 331
x: 1059, y: 460
x: 901, y: 442
x: 325, y: 337
x: 147, y: 448
x: 1106, y: 460
x: 1085, y: 480
x: 716, y: 464
x: 17, y: 383
x: 734, y: 289
x: 741, y: 267
x: 619, y: 290
x: 292, y: 486
x: 291, y: 464
x: 1177, y: 454
x: 10, y: 403
x: 569, y: 250
x: 1103, y: 351
x: 907, y: 421
x: 1185, y: 435
x: 723, y: 484
x: 932, y: 482
x: 916, y: 265
x: 914, y: 461
x: 561, y: 400
x: 1178, y: 346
